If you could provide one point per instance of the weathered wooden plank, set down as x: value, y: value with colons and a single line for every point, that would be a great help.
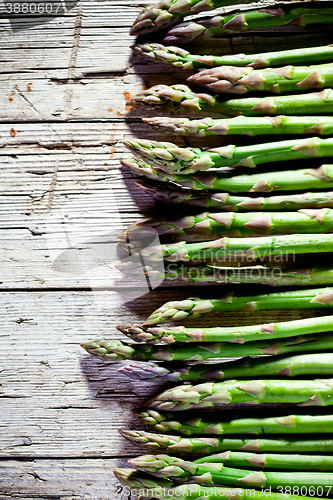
x: 58, y: 401
x: 82, y: 479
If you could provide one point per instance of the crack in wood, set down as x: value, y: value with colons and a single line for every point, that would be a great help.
x: 73, y: 60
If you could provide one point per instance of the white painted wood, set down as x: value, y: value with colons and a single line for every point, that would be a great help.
x: 82, y: 479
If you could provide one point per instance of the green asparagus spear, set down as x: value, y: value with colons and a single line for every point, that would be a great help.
x: 246, y: 125
x: 244, y: 249
x: 131, y: 479
x: 290, y: 424
x: 238, y: 224
x: 225, y: 201
x: 181, y: 96
x: 208, y: 27
x: 239, y: 334
x: 194, y: 307
x: 278, y: 366
x: 138, y: 479
x: 270, y: 461
x: 258, y: 391
x: 205, y: 445
x: 184, y: 59
x: 171, y: 158
x: 231, y: 80
x: 109, y: 350
x: 166, y: 13
x: 255, y: 274
x: 165, y: 466
x: 311, y: 178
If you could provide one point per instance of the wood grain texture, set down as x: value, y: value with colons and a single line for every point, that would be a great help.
x: 64, y: 82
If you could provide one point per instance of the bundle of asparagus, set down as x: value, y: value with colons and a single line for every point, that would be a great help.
x: 200, y: 172
x: 165, y: 13
x: 281, y: 15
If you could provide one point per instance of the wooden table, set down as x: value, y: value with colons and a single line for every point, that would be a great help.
x: 64, y: 83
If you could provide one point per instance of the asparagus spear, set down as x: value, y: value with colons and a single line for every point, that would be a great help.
x: 270, y: 461
x: 181, y: 96
x: 138, y: 479
x: 166, y: 13
x: 287, y: 366
x: 131, y: 479
x: 244, y: 249
x: 311, y: 178
x: 255, y: 274
x: 109, y: 350
x: 239, y: 334
x: 182, y: 58
x: 231, y: 80
x: 172, y: 158
x: 246, y: 125
x: 194, y: 307
x: 290, y: 424
x: 281, y: 15
x: 179, y: 470
x: 238, y: 224
x: 258, y: 391
x: 225, y: 201
x: 205, y: 445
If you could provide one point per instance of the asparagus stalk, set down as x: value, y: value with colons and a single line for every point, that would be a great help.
x: 302, y: 179
x: 194, y: 307
x: 243, y: 249
x: 131, y: 478
x: 239, y: 334
x: 246, y: 125
x: 138, y: 479
x: 172, y: 158
x: 108, y: 350
x: 238, y: 224
x: 166, y: 13
x: 290, y: 424
x: 231, y: 80
x: 209, y: 27
x: 287, y: 366
x: 258, y: 391
x: 179, y: 470
x: 255, y: 274
x: 184, y: 59
x: 225, y: 201
x: 270, y: 461
x: 206, y: 445
x: 181, y: 96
